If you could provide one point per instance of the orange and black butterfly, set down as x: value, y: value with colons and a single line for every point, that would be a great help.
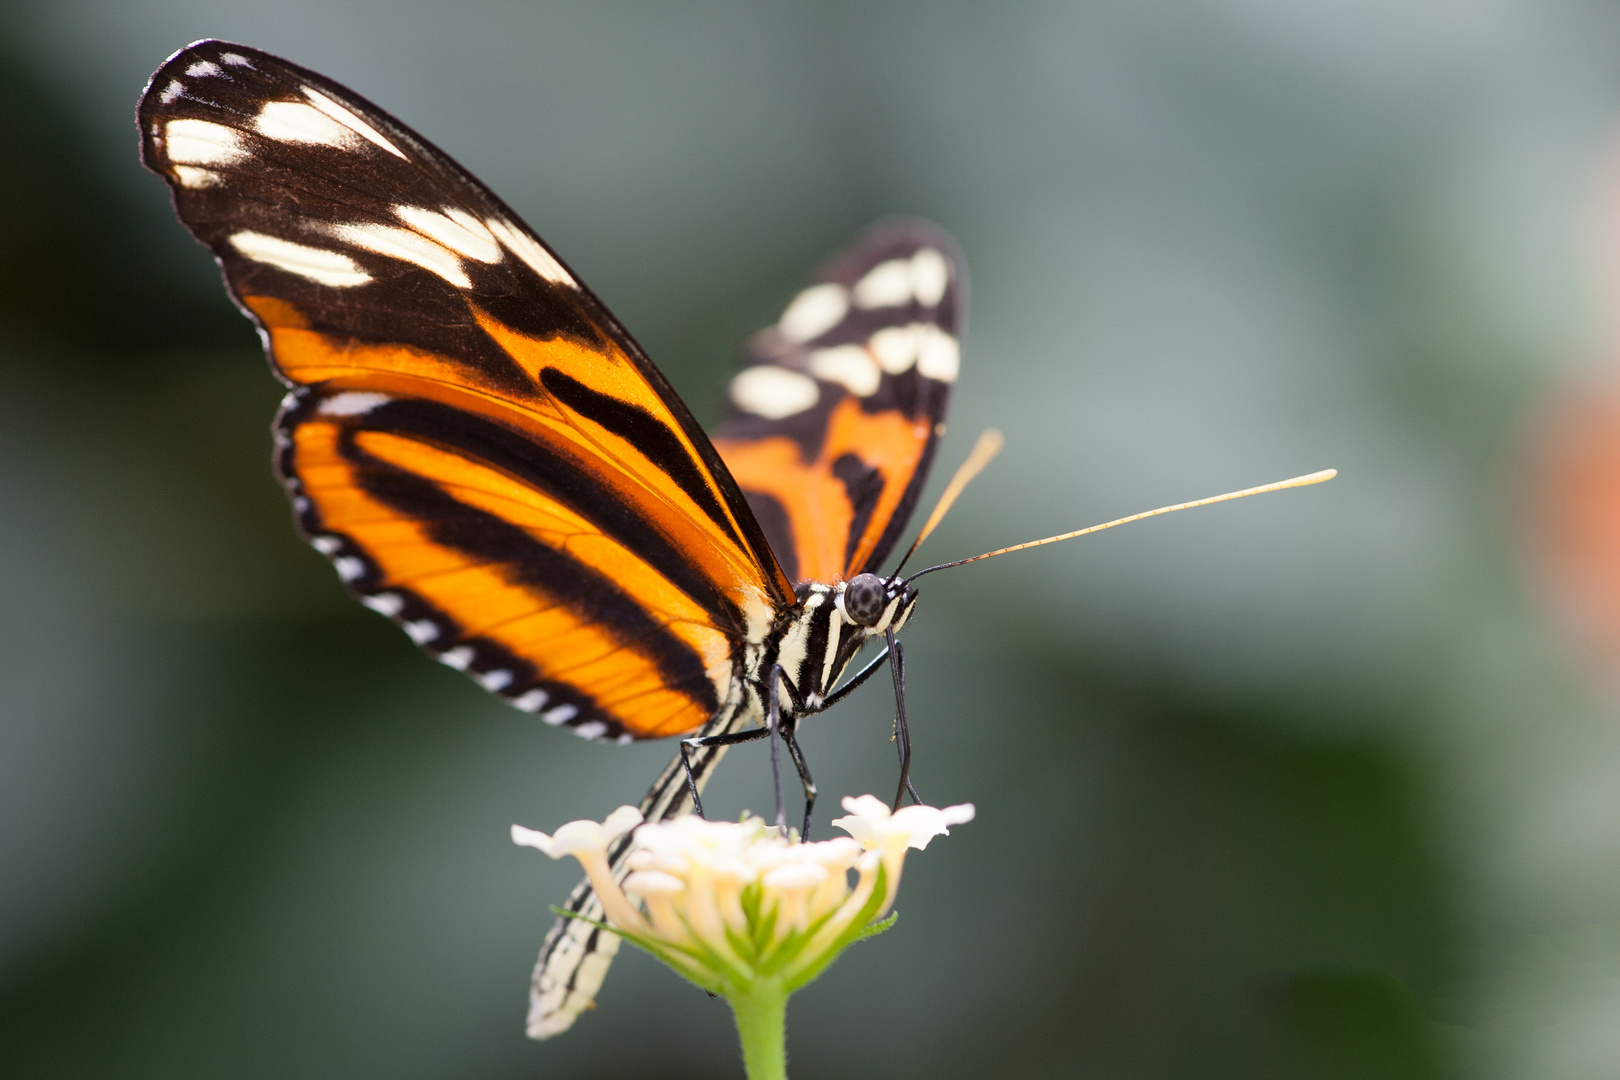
x: 490, y: 460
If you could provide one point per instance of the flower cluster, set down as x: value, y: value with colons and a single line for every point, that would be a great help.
x: 731, y: 904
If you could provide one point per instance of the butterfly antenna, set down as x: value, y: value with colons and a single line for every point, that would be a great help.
x: 1281, y: 485
x: 984, y: 451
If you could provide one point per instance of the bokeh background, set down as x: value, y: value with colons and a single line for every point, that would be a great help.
x: 1325, y: 784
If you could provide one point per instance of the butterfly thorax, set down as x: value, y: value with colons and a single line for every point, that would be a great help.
x: 816, y: 640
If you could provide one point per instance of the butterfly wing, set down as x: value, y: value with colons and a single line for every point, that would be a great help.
x: 483, y: 452
x: 838, y: 407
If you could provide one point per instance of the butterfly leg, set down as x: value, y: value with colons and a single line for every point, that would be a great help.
x: 691, y: 778
x: 773, y: 720
x: 705, y: 741
x: 902, y: 732
x: 843, y: 691
x: 804, y: 778
x: 810, y: 710
x: 771, y: 729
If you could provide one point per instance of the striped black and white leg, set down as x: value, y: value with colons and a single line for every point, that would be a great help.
x: 790, y: 736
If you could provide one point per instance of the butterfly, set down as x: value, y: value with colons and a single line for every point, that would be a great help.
x: 488, y: 458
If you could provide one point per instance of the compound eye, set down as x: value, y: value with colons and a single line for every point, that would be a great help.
x: 864, y: 599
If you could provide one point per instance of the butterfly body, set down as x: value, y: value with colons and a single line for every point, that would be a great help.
x: 490, y: 460
x: 816, y: 641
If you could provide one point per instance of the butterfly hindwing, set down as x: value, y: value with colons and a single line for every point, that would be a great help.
x: 836, y: 412
x: 483, y: 452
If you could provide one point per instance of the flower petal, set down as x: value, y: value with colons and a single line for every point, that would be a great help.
x: 532, y: 838
x: 871, y: 823
x: 646, y: 883
x: 795, y: 875
x: 921, y: 824
x: 580, y: 837
x: 621, y: 821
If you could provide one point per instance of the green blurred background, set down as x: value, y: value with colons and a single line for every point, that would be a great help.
x: 1307, y: 786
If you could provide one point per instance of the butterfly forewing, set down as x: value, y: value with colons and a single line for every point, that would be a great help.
x: 835, y: 415
x: 484, y: 453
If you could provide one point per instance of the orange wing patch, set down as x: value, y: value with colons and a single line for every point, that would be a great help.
x: 659, y: 676
x: 837, y: 410
x: 617, y: 416
x: 594, y: 408
x: 835, y: 530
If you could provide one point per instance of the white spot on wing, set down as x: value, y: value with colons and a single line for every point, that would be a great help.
x: 499, y: 679
x: 352, y: 122
x: 317, y: 264
x: 455, y: 229
x: 234, y: 59
x: 422, y: 631
x: 172, y: 91
x: 532, y: 700
x: 895, y: 348
x: 194, y: 178
x: 849, y: 365
x: 537, y: 257
x: 202, y: 142
x: 407, y: 246
x: 326, y: 545
x: 352, y: 403
x: 625, y: 738
x: 561, y: 714
x: 930, y: 273
x: 938, y: 356
x: 203, y: 67
x: 888, y: 284
x: 458, y: 657
x: 773, y: 392
x: 813, y: 312
x: 349, y: 568
x: 385, y: 603
x: 593, y: 729
x: 295, y: 122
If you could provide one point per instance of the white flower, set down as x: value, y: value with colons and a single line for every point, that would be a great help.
x: 731, y: 903
x: 871, y: 822
x: 890, y: 834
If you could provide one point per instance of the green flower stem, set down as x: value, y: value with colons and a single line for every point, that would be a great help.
x: 761, y: 1012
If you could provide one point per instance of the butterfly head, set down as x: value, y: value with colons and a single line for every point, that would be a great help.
x: 875, y: 603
